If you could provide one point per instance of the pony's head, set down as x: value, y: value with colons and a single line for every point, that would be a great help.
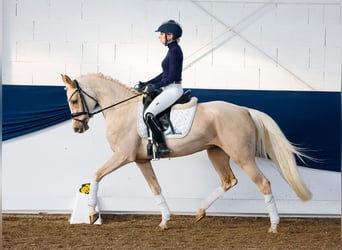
x: 81, y: 104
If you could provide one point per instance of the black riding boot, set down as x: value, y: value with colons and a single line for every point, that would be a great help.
x: 162, y: 149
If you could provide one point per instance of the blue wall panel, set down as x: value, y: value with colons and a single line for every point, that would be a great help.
x: 311, y: 120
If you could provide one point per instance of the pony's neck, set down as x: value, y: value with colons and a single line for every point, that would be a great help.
x: 107, y: 91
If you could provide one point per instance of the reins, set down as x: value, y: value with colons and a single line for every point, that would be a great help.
x: 115, y: 104
x: 85, y: 106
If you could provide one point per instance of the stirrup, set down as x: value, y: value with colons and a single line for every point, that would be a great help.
x: 150, y: 153
x: 162, y: 151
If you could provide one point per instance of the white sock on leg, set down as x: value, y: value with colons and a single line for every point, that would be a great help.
x: 165, y: 211
x: 92, y: 199
x: 217, y: 193
x: 272, y: 208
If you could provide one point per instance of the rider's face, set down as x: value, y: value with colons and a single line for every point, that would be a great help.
x: 163, y: 38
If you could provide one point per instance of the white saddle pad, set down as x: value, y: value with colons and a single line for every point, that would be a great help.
x: 181, y: 117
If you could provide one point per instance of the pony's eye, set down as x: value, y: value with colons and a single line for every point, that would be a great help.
x: 74, y: 102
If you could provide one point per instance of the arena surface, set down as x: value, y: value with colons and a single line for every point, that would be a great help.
x: 46, y: 231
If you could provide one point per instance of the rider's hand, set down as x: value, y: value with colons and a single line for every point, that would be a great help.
x: 141, y: 84
x: 149, y: 88
x: 140, y: 87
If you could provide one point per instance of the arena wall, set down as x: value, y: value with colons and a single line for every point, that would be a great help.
x: 43, y: 171
x: 278, y: 45
x: 227, y: 44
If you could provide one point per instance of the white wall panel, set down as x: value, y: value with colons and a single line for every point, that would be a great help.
x: 17, y: 29
x: 332, y: 70
x: 106, y: 52
x: 159, y: 11
x: 79, y: 30
x: 90, y: 52
x: 286, y: 55
x: 32, y: 51
x: 106, y: 11
x: 316, y: 58
x: 290, y: 13
x: 87, y: 68
x: 229, y: 13
x: 334, y: 36
x: 72, y: 69
x: 283, y: 81
x: 66, y: 52
x: 53, y: 172
x: 51, y: 30
x: 315, y: 76
x: 332, y: 14
x: 292, y: 33
x: 66, y: 11
x: 40, y: 10
x: 51, y: 72
x: 10, y: 71
x: 316, y: 14
x: 244, y: 78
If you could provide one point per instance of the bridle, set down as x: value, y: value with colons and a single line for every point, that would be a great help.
x: 85, y: 108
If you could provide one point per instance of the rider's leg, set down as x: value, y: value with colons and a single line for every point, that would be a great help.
x: 157, y: 134
x: 166, y: 98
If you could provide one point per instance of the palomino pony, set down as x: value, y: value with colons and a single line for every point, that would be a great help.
x: 226, y: 131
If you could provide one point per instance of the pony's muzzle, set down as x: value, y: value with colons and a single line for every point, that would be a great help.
x: 80, y: 126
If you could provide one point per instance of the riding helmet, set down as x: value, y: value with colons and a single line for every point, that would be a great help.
x: 172, y: 27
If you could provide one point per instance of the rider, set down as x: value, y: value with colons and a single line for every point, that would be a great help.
x: 169, y: 81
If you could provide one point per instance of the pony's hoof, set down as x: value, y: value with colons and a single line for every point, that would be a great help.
x: 162, y: 226
x: 273, y: 229
x: 93, y: 218
x: 200, y: 215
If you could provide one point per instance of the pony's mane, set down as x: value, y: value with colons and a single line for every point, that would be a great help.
x: 108, y: 78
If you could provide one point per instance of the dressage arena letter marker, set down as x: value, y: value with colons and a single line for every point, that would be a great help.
x: 80, y: 213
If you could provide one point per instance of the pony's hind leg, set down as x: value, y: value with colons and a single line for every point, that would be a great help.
x: 220, y: 161
x: 264, y: 185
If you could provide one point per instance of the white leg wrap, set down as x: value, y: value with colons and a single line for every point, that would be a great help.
x: 272, y: 209
x: 92, y: 199
x: 207, y: 202
x: 163, y: 207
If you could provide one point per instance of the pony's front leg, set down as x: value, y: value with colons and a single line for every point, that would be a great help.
x: 115, y: 162
x: 92, y: 202
x: 147, y: 171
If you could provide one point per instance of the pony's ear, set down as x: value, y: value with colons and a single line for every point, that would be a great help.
x: 66, y: 79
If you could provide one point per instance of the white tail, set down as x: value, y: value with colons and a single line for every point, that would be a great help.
x: 272, y: 142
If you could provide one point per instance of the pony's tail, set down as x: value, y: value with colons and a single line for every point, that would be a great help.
x: 272, y: 142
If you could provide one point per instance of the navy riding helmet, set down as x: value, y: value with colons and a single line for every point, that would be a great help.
x: 172, y: 27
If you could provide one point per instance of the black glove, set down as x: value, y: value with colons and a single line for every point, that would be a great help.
x: 140, y: 87
x: 150, y: 88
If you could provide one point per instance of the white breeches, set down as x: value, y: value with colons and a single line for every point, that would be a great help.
x: 165, y: 99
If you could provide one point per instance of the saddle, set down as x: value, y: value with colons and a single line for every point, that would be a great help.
x: 163, y: 118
